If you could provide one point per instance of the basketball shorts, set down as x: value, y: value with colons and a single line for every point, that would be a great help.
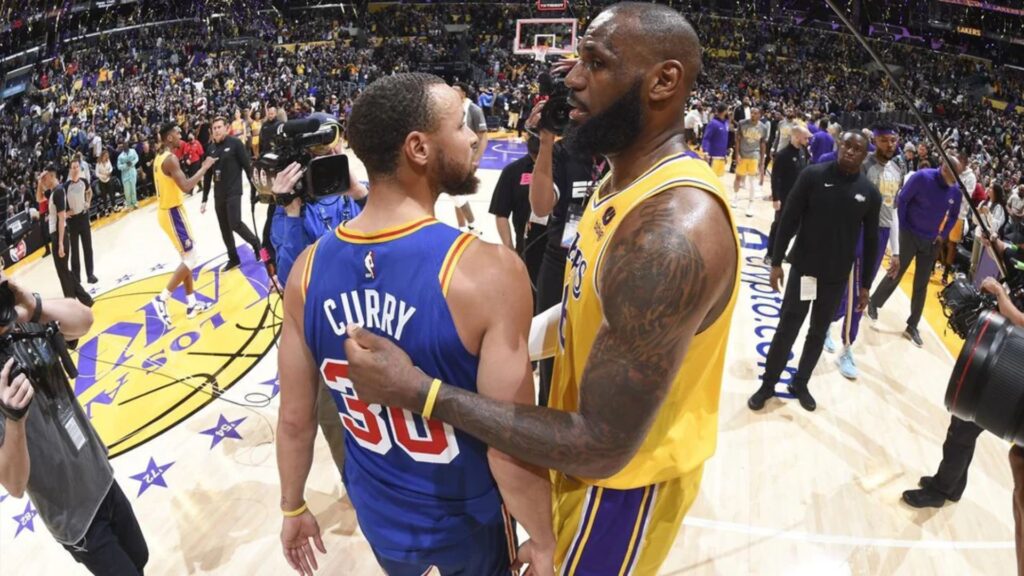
x: 746, y: 167
x: 718, y: 166
x: 174, y: 222
x: 957, y: 233
x: 601, y: 531
x: 490, y: 551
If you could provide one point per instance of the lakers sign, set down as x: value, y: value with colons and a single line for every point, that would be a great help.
x: 137, y: 379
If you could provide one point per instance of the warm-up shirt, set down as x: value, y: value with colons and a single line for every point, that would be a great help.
x: 825, y: 211
x: 925, y: 200
x: 716, y: 139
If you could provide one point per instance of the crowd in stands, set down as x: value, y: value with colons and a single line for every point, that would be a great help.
x: 112, y: 89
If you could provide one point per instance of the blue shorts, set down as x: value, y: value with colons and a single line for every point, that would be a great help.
x: 487, y: 552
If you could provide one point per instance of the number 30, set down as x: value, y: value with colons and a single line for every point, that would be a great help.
x: 438, y: 445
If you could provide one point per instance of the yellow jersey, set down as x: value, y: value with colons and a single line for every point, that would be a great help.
x: 167, y: 192
x: 685, y: 429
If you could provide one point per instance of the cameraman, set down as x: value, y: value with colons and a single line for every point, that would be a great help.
x: 53, y: 453
x: 296, y: 226
x: 560, y: 186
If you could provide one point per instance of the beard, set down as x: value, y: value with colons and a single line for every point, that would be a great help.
x: 455, y: 180
x: 611, y: 131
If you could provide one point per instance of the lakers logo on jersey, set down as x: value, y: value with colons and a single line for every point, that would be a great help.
x: 578, y: 264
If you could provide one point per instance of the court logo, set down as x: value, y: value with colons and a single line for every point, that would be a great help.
x: 137, y: 379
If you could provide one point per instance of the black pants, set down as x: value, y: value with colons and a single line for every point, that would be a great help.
x: 921, y: 251
x: 794, y: 311
x: 114, y: 543
x: 70, y: 287
x: 957, y: 453
x: 81, y: 243
x: 549, y: 293
x: 229, y: 215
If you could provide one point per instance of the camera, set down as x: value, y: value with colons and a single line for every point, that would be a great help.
x: 987, y: 384
x: 40, y: 353
x: 963, y: 305
x: 306, y: 142
x: 555, y: 116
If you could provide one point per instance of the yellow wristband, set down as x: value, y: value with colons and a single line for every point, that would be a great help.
x: 428, y: 407
x: 296, y: 512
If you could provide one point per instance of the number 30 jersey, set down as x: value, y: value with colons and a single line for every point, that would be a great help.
x: 418, y: 486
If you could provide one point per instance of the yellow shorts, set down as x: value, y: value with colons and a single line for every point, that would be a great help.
x: 746, y: 167
x: 174, y: 222
x: 957, y: 233
x: 601, y: 531
x: 718, y: 166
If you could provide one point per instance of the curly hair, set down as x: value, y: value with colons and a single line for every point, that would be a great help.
x: 385, y: 114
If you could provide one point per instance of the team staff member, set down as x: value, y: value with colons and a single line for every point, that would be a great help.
x: 928, y: 197
x: 789, y: 162
x: 512, y: 198
x: 716, y: 140
x: 650, y: 294
x: 54, y: 454
x: 825, y: 210
x: 561, y: 184
x: 233, y: 162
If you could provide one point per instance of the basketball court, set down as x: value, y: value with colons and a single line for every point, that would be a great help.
x: 190, y: 419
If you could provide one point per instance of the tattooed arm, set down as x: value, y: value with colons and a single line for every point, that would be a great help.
x: 668, y: 273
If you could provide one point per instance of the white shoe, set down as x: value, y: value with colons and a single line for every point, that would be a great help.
x: 750, y: 212
x: 733, y: 204
x: 161, y: 313
x: 198, y: 308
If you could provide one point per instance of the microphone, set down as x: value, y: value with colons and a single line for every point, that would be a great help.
x: 298, y: 127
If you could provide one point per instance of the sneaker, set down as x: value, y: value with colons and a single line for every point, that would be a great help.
x: 914, y: 336
x: 472, y: 230
x: 804, y: 396
x: 830, y: 344
x: 733, y: 204
x: 231, y: 265
x: 923, y: 498
x: 750, y: 212
x: 93, y: 279
x: 847, y: 367
x: 161, y: 313
x: 872, y: 311
x: 763, y: 394
x: 198, y: 308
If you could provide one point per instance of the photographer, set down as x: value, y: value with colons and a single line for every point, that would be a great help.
x: 53, y: 453
x: 560, y: 185
x: 298, y: 225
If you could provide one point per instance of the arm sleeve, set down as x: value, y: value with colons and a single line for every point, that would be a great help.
x: 288, y: 237
x: 792, y: 212
x: 871, y: 246
x: 894, y: 234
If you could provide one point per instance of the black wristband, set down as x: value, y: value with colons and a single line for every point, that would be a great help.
x: 38, y: 312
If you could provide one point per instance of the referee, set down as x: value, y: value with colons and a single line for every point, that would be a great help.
x: 227, y: 189
x: 825, y: 211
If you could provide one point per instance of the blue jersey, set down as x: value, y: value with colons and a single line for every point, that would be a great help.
x: 418, y: 486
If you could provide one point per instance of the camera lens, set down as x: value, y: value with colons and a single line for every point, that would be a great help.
x: 987, y: 384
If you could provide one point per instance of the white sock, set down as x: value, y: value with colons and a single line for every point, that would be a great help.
x: 191, y: 298
x: 164, y: 295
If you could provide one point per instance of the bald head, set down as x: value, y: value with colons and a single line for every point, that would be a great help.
x: 655, y: 33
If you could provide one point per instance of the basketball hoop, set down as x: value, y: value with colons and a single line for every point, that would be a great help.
x: 541, y: 53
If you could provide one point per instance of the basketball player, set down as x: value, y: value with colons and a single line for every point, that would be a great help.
x: 425, y: 494
x: 651, y: 286
x: 171, y: 185
x: 885, y: 170
x: 751, y: 139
